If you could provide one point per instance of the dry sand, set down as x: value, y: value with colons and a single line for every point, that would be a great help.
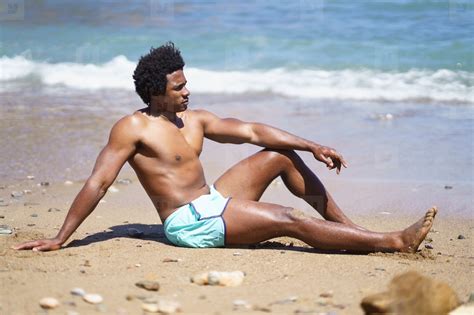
x: 283, y: 276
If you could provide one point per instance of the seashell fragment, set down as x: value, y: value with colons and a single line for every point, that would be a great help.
x: 222, y: 278
x: 93, y: 298
x: 48, y: 303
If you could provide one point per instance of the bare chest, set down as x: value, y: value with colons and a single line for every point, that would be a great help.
x: 172, y: 145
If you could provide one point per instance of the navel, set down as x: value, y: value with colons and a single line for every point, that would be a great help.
x: 177, y: 157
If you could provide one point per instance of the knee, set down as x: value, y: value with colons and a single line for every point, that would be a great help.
x: 279, y: 156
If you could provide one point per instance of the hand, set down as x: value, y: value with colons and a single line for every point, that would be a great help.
x: 40, y: 245
x: 330, y: 157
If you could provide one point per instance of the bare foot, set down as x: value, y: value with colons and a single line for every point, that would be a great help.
x: 415, y: 234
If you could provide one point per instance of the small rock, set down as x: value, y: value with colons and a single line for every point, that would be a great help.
x: 17, y: 194
x: 380, y: 269
x: 237, y: 254
x: 241, y: 305
x: 259, y: 308
x: 78, y: 292
x: 466, y: 309
x: 93, y: 298
x: 138, y: 265
x: 48, y: 303
x: 2, y: 217
x: 429, y: 246
x: 148, y: 285
x: 30, y: 224
x: 471, y: 298
x: 113, y: 189
x: 5, y: 229
x: 288, y: 300
x: 54, y: 209
x: 168, y: 260
x: 461, y: 237
x: 44, y: 184
x: 162, y: 306
x: 412, y: 293
x: 448, y: 187
x: 68, y: 182
x: 27, y: 191
x: 124, y: 181
x: 133, y: 232
x: 30, y: 177
x: 223, y: 278
x: 34, y: 215
x: 328, y: 294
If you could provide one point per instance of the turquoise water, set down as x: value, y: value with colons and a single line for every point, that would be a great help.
x: 389, y: 83
x: 380, y: 50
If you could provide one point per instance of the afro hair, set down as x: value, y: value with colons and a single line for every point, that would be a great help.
x: 150, y: 74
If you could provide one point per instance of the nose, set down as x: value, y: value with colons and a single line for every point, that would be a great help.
x: 186, y: 92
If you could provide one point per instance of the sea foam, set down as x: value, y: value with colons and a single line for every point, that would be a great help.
x: 349, y: 84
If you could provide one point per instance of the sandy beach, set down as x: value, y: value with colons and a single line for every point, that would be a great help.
x: 388, y: 84
x: 283, y: 276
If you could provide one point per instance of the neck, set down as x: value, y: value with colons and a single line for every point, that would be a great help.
x: 157, y: 111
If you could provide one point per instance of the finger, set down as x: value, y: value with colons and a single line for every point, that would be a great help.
x: 26, y: 245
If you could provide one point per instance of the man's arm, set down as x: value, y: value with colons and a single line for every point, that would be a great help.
x: 231, y: 130
x: 121, y: 145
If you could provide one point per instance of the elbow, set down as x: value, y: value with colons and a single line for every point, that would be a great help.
x: 99, y: 185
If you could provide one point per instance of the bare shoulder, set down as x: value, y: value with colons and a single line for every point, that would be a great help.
x: 203, y: 115
x: 129, y: 127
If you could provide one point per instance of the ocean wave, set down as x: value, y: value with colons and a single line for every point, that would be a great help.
x: 364, y: 84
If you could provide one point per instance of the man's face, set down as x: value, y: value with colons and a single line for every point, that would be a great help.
x: 176, y: 96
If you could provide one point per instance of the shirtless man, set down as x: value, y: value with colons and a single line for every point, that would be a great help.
x: 162, y: 143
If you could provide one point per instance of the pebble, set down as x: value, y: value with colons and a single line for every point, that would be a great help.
x: 448, y: 187
x: 167, y: 260
x: 78, y: 292
x: 93, y: 298
x: 162, y: 306
x: 49, y: 303
x: 27, y: 191
x: 288, y: 300
x: 461, y: 237
x: 237, y: 254
x: 223, y: 278
x: 328, y: 294
x: 55, y: 209
x: 241, y: 305
x: 44, y: 184
x: 124, y: 181
x: 5, y: 229
x: 429, y: 246
x: 17, y: 194
x: 2, y: 217
x: 113, y: 189
x: 68, y: 182
x: 34, y: 215
x: 30, y: 177
x: 133, y: 232
x: 148, y: 285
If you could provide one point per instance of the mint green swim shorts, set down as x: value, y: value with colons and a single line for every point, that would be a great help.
x: 198, y: 223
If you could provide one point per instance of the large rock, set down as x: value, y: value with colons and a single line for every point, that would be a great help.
x: 411, y: 294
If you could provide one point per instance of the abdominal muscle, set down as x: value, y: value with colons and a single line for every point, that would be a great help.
x: 170, y: 187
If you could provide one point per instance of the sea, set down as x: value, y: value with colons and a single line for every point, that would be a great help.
x: 388, y: 83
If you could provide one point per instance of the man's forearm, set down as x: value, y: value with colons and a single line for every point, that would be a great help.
x: 84, y: 203
x: 271, y: 137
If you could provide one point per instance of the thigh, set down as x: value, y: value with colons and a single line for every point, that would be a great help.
x: 249, y: 178
x: 250, y: 222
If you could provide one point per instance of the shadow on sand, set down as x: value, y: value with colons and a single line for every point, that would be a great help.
x: 155, y: 232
